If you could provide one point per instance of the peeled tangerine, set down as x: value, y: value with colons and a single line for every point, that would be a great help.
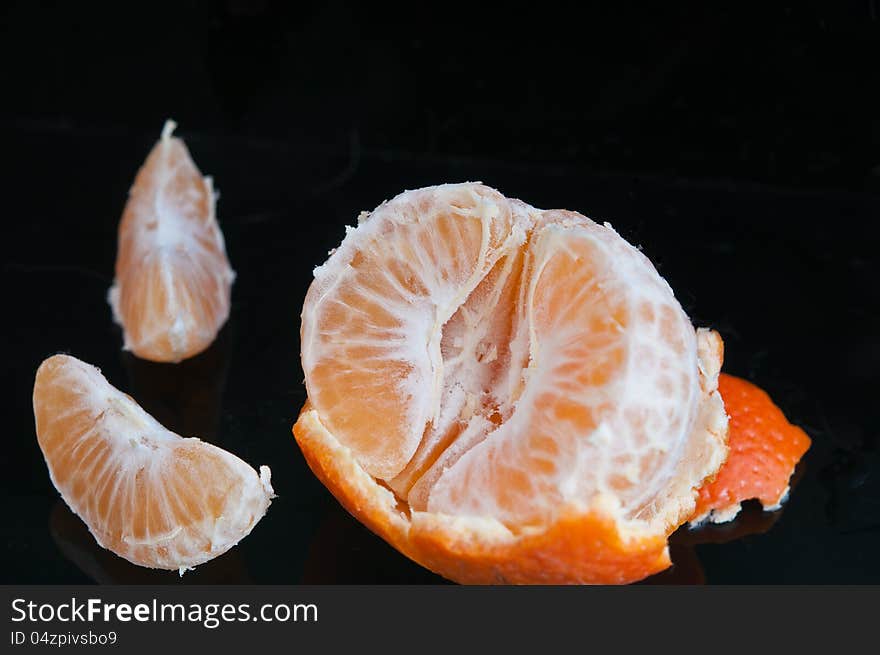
x: 148, y: 495
x: 505, y: 394
x: 173, y: 281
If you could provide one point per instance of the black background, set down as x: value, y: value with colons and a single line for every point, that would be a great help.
x: 739, y: 147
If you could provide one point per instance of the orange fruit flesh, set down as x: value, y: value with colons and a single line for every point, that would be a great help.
x: 146, y: 494
x: 764, y: 450
x: 171, y: 294
x: 506, y: 393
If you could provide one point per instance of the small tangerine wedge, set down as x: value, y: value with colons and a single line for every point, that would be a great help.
x: 764, y: 450
x: 145, y: 493
x: 172, y: 290
x: 505, y: 394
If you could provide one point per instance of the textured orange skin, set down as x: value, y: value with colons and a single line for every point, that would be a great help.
x: 764, y: 449
x: 577, y: 549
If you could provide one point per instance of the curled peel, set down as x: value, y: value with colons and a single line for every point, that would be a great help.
x: 764, y: 450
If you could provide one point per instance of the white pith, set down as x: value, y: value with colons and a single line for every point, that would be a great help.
x: 685, y: 431
x: 140, y: 448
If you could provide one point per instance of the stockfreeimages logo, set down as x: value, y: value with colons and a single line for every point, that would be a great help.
x: 208, y: 615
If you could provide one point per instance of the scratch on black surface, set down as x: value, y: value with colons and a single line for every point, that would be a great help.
x: 354, y: 160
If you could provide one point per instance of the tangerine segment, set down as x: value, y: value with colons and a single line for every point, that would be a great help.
x: 148, y: 495
x: 487, y: 361
x: 764, y: 450
x: 171, y: 294
x: 373, y: 317
x: 609, y: 390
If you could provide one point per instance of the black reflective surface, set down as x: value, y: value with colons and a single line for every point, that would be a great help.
x: 759, y: 210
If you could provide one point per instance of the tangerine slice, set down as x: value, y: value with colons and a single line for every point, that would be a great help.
x: 505, y: 393
x: 145, y: 493
x: 171, y: 294
x: 764, y: 450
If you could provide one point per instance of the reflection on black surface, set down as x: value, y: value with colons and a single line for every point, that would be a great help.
x: 78, y: 545
x: 343, y: 551
x: 685, y: 570
x: 183, y: 397
x: 752, y: 519
x: 686, y: 567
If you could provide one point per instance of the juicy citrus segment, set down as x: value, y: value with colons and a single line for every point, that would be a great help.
x: 610, y: 393
x: 764, y: 450
x: 372, y: 325
x: 173, y: 281
x: 546, y: 376
x: 145, y: 493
